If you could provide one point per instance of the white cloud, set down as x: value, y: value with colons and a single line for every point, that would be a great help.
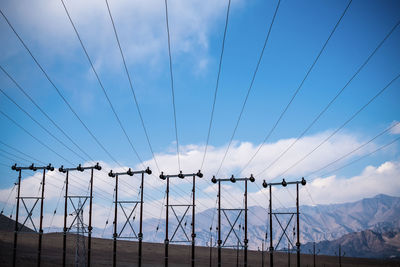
x: 140, y: 25
x: 332, y: 189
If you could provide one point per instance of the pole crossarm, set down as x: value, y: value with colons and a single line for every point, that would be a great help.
x: 284, y: 184
x: 117, y: 235
x: 32, y: 167
x: 180, y: 175
x: 221, y: 244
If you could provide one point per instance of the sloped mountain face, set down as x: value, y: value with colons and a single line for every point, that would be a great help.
x: 317, y: 223
x: 368, y: 244
x: 8, y: 224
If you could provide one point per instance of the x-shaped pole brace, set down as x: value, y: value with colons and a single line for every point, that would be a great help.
x: 77, y: 211
x: 180, y: 223
x: 127, y: 219
x: 29, y: 212
x: 284, y: 230
x: 232, y: 227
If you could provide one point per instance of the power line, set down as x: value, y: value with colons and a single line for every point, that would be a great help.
x: 40, y: 125
x: 58, y: 91
x: 131, y: 87
x: 101, y: 84
x: 356, y: 149
x: 250, y: 87
x: 343, y: 125
x: 217, y: 83
x: 26, y: 131
x: 172, y: 83
x: 367, y: 155
x: 300, y: 86
x: 331, y: 102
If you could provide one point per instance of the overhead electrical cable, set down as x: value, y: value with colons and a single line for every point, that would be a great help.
x: 101, y: 84
x: 172, y: 84
x: 299, y: 87
x: 131, y: 87
x: 354, y: 150
x: 58, y: 91
x: 329, y: 104
x: 250, y: 87
x: 342, y: 126
x: 217, y: 83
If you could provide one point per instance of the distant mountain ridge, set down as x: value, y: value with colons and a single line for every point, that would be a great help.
x: 366, y: 244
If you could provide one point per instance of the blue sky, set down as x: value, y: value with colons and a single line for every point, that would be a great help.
x: 196, y: 29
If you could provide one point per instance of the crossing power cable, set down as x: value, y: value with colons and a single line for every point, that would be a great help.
x: 39, y: 124
x: 342, y: 126
x: 101, y: 84
x: 250, y: 87
x: 355, y: 150
x: 300, y: 86
x: 172, y: 83
x: 217, y: 83
x: 329, y: 104
x: 58, y: 91
x: 131, y: 87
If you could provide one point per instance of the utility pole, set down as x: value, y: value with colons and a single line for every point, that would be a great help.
x: 32, y: 168
x: 90, y: 228
x: 193, y: 205
x: 245, y: 241
x: 116, y: 235
x: 314, y: 253
x: 302, y: 182
x: 284, y: 184
x: 211, y: 245
x: 340, y: 255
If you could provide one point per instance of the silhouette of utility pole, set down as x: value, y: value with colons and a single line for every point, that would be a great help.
x: 314, y: 253
x: 116, y: 234
x: 32, y: 168
x: 284, y: 184
x: 193, y: 205
x: 245, y: 241
x: 340, y: 255
x: 80, y: 208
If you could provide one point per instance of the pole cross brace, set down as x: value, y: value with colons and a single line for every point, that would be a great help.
x: 77, y: 210
x: 180, y: 220
x: 128, y: 217
x: 284, y: 229
x: 29, y: 212
x: 232, y: 226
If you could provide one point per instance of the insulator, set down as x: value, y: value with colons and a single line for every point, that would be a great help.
x: 252, y: 179
x: 97, y: 166
x: 14, y: 167
x: 284, y: 184
x: 180, y: 175
x: 162, y: 176
x: 111, y: 174
x: 199, y: 174
x: 129, y: 172
x: 214, y: 180
x: 233, y: 180
x: 264, y: 184
x: 148, y: 171
x: 303, y: 181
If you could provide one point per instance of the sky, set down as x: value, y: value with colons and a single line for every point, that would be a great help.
x: 350, y: 151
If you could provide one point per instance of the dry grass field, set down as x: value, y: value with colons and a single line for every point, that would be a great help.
x: 153, y: 254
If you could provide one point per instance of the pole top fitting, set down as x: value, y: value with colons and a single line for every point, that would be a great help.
x: 180, y: 175
x: 162, y: 176
x: 79, y: 168
x: 111, y: 174
x: 14, y: 167
x: 49, y: 167
x: 199, y: 174
x: 265, y: 184
x: 129, y: 172
x: 61, y: 169
x: 214, y: 180
x: 232, y: 179
x: 97, y: 166
x: 32, y: 167
x: 148, y: 171
x: 252, y: 179
x: 303, y: 181
x: 284, y: 183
